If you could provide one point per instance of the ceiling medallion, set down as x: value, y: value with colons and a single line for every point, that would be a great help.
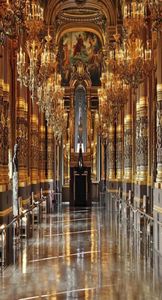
x: 80, y: 2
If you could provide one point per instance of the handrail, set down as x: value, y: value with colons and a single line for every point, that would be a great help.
x: 4, y: 227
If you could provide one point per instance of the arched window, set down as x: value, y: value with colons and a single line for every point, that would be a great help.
x: 80, y: 118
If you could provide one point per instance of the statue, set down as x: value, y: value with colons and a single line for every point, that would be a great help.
x: 15, y: 158
x: 80, y: 159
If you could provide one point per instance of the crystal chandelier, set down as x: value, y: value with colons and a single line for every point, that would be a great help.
x: 28, y: 67
x: 132, y: 58
x: 34, y: 18
x: 11, y: 18
x: 117, y: 93
x: 113, y: 95
x: 51, y: 102
x: 27, y: 72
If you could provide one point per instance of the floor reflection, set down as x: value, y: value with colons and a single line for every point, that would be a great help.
x: 84, y: 254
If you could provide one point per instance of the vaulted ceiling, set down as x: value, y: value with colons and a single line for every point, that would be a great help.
x: 98, y: 16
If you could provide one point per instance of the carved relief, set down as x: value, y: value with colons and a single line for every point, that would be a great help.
x: 23, y: 142
x: 128, y: 148
x: 4, y: 107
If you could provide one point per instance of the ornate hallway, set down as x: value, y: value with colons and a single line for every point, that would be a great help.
x: 84, y: 253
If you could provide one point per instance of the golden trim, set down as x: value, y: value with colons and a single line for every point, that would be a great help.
x: 48, y: 180
x: 159, y: 87
x: 6, y: 212
x: 47, y: 191
x: 22, y: 184
x: 1, y: 82
x: 3, y: 188
x: 6, y: 87
x: 112, y: 191
x: 25, y: 201
x: 35, y: 182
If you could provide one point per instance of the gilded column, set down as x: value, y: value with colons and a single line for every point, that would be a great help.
x: 128, y: 141
x: 42, y: 155
x: 159, y: 110
x: 119, y: 149
x: 5, y: 141
x: 102, y: 161
x: 137, y: 140
x: 50, y: 156
x: 111, y: 153
x: 34, y: 150
x: 22, y: 136
x: 143, y: 134
x: 157, y: 200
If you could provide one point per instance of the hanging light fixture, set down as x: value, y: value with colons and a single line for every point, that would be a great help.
x: 117, y: 93
x: 51, y: 102
x: 132, y: 58
x: 27, y: 67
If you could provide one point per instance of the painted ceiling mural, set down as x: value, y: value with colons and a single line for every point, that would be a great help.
x: 80, y: 46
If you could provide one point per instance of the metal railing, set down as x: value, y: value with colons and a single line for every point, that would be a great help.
x: 139, y: 219
x: 19, y: 227
x: 54, y: 201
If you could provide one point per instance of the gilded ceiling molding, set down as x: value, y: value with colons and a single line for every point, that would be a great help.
x: 53, y: 9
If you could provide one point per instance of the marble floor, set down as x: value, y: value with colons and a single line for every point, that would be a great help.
x: 84, y: 253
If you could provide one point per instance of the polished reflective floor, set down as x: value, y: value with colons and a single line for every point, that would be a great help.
x: 86, y: 254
